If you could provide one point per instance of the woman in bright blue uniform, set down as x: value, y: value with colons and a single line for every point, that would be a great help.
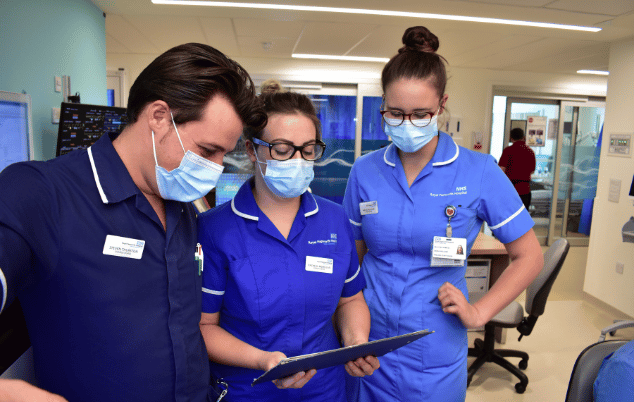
x: 278, y: 263
x: 412, y: 204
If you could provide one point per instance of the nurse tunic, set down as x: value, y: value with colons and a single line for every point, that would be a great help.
x: 269, y: 293
x: 398, y: 223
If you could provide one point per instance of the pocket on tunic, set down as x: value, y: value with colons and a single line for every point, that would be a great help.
x: 448, y: 344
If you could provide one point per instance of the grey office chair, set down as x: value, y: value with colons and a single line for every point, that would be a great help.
x: 586, y: 369
x: 513, y: 317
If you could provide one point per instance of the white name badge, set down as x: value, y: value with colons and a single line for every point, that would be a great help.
x: 369, y: 207
x: 123, y: 247
x: 318, y: 264
x: 448, y: 251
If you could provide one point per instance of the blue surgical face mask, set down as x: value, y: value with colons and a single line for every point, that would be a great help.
x: 287, y: 179
x: 191, y: 180
x: 409, y: 138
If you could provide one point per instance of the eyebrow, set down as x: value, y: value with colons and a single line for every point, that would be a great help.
x: 281, y: 140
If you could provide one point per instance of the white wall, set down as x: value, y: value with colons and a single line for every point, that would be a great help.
x: 606, y: 245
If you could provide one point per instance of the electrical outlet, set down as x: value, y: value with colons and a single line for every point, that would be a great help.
x: 58, y: 84
x: 619, y: 268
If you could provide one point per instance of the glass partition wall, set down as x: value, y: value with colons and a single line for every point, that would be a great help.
x: 564, y: 183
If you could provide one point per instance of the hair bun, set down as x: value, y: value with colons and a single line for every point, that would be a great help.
x: 419, y: 39
x: 271, y: 86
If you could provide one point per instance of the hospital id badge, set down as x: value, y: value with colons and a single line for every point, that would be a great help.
x: 448, y: 251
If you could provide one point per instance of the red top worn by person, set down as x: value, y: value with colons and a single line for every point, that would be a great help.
x: 518, y: 162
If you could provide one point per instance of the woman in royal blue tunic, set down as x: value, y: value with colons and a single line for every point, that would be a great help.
x: 279, y: 262
x: 413, y: 204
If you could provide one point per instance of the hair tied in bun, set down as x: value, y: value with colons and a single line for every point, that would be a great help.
x: 271, y: 86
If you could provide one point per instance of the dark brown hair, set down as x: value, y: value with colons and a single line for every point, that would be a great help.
x: 417, y: 59
x: 278, y: 102
x: 517, y: 134
x: 186, y: 77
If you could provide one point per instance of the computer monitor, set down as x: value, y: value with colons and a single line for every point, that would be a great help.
x: 16, y: 128
x: 632, y: 189
x: 81, y: 125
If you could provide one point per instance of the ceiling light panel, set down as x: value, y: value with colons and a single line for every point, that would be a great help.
x: 387, y: 13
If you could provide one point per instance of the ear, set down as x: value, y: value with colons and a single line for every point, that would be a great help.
x: 159, y: 118
x: 443, y: 102
x: 250, y: 148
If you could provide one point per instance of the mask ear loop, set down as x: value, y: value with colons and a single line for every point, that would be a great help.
x: 255, y: 153
x: 177, y: 134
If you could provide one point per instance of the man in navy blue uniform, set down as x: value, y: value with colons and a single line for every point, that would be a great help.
x: 99, y: 244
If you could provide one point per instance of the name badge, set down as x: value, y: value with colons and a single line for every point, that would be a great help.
x: 369, y: 207
x: 318, y: 264
x: 448, y: 251
x: 123, y: 247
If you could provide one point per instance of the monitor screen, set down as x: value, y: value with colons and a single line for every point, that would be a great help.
x: 81, y: 125
x: 16, y: 129
x: 632, y: 188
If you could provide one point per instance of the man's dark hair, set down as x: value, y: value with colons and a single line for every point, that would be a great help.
x: 517, y: 134
x: 186, y: 77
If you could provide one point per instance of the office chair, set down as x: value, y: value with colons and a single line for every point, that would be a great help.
x: 513, y: 317
x: 586, y: 370
x: 618, y: 324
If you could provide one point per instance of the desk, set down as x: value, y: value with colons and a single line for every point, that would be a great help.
x: 492, y: 249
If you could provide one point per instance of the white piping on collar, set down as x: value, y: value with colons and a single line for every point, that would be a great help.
x: 3, y: 280
x: 354, y: 223
x: 450, y: 160
x: 314, y: 211
x: 507, y: 220
x: 104, y: 199
x: 245, y: 216
x: 385, y: 155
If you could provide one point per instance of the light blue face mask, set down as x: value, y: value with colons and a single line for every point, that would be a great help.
x: 194, y: 178
x: 409, y: 138
x: 287, y: 179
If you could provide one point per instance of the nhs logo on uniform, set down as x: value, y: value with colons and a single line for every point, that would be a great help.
x: 330, y: 242
x: 463, y: 188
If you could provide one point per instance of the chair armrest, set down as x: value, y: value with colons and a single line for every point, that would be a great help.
x: 612, y: 328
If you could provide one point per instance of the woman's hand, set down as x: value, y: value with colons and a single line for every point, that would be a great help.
x: 297, y: 380
x: 362, y: 366
x: 454, y: 302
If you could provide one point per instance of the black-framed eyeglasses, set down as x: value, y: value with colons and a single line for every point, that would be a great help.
x: 395, y: 117
x: 282, y: 151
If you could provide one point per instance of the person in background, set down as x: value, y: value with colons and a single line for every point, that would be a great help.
x: 283, y: 265
x: 615, y: 381
x: 411, y: 202
x: 518, y: 162
x: 98, y: 244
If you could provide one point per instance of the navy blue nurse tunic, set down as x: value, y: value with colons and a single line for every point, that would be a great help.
x: 402, y: 287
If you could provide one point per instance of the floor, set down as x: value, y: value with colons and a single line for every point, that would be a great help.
x: 566, y: 328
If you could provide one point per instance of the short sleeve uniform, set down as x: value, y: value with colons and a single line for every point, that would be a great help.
x: 111, y: 299
x: 402, y: 287
x: 278, y: 294
x: 615, y: 381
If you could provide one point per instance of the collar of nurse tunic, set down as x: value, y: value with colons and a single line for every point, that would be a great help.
x: 446, y: 152
x: 244, y: 205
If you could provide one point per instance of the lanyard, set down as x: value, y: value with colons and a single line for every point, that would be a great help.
x: 450, y: 211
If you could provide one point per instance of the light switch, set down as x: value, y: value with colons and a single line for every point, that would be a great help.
x: 58, y: 84
x: 55, y: 112
x: 614, y: 191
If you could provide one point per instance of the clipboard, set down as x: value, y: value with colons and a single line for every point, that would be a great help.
x: 339, y: 356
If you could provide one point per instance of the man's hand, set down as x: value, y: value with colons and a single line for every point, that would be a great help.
x: 22, y: 391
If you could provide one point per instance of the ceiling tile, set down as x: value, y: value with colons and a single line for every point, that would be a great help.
x: 129, y: 38
x: 166, y: 32
x: 268, y: 28
x: 253, y: 47
x: 605, y: 7
x: 331, y: 38
x: 219, y: 33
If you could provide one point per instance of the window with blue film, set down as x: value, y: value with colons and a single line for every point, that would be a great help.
x: 337, y: 114
x: 372, y: 135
